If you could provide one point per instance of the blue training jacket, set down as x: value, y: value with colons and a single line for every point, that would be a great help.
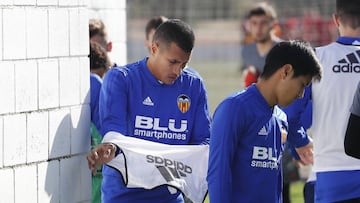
x: 95, y: 86
x: 246, y: 148
x: 133, y: 102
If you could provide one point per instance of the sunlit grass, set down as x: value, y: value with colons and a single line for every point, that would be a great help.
x: 296, y: 193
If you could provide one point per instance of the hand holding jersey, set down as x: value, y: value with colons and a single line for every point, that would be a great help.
x: 148, y: 165
x: 101, y: 154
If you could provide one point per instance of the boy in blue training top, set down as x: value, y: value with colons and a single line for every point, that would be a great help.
x: 249, y: 129
x: 155, y: 99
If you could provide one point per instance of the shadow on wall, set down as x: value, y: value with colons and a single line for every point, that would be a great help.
x: 66, y: 175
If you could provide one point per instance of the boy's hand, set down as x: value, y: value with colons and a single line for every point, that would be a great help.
x: 101, y: 154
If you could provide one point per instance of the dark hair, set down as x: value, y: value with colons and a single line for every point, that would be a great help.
x: 262, y: 8
x: 98, y: 57
x: 349, y: 12
x: 297, y: 53
x: 177, y: 31
x: 154, y: 23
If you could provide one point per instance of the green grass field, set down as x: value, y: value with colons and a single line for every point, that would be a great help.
x: 221, y: 79
x: 296, y: 193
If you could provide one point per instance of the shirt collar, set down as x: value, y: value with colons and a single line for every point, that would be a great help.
x: 349, y: 40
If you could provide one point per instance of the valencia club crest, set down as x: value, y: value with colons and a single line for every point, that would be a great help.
x: 183, y: 102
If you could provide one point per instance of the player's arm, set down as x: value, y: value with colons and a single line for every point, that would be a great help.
x: 305, y: 153
x: 242, y: 54
x: 352, y: 137
x: 113, y: 102
x: 201, y: 128
x: 298, y: 139
x: 222, y: 149
x: 112, y: 111
x: 297, y: 136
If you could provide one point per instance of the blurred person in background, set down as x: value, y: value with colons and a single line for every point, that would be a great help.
x: 150, y: 29
x: 99, y: 65
x: 261, y: 23
x: 98, y: 33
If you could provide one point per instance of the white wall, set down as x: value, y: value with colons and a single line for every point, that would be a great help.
x: 44, y: 104
x: 113, y: 14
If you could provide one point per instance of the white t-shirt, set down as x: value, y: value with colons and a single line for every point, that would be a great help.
x: 149, y: 164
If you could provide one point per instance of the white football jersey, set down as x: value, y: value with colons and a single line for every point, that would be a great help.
x: 332, y: 98
x: 149, y: 164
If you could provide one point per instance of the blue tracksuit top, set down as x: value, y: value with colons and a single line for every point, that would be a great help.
x: 133, y: 102
x: 95, y: 86
x: 245, y: 149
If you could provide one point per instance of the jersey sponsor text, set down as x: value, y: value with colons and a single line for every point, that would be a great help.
x: 159, y: 135
x: 263, y: 157
x: 150, y: 127
x: 160, y: 161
